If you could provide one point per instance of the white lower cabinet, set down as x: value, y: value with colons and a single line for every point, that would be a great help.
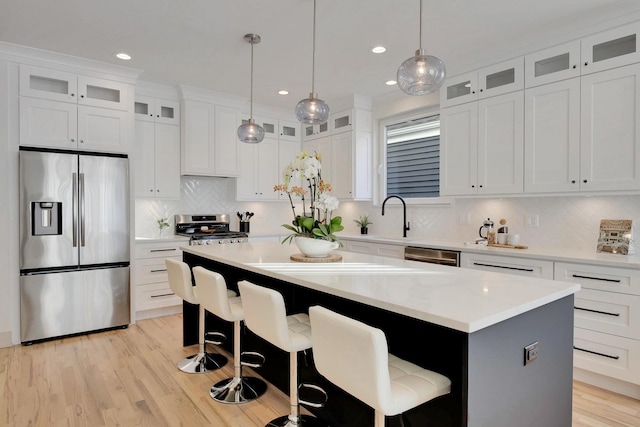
x: 540, y: 269
x: 153, y: 294
x: 369, y: 248
x: 607, y: 319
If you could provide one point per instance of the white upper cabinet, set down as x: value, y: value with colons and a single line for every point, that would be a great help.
x: 209, y: 145
x: 553, y: 64
x: 552, y: 137
x: 310, y: 132
x: 289, y: 131
x: 497, y: 79
x: 609, y: 49
x: 270, y: 126
x: 157, y: 110
x: 610, y: 130
x: 68, y: 87
x: 482, y: 143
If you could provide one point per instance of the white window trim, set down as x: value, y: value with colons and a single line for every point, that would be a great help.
x: 382, y: 156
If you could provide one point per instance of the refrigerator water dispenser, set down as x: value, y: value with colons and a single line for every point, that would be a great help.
x: 46, y: 218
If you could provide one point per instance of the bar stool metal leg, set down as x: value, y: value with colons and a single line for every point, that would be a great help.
x: 203, y: 361
x: 238, y: 389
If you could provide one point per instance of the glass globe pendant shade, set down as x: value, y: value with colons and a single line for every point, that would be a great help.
x: 250, y: 132
x: 312, y: 111
x: 421, y: 74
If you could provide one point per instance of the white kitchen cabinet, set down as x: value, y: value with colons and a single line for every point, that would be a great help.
x: 46, y: 123
x: 157, y: 110
x: 258, y: 170
x: 287, y: 152
x: 157, y: 157
x: 209, y: 139
x: 370, y: 248
x: 325, y: 148
x: 289, y: 131
x: 352, y: 158
x: 609, y: 49
x: 553, y: 64
x: 497, y: 79
x: 481, y: 146
x: 537, y: 268
x: 610, y: 130
x: 607, y: 313
x: 311, y: 132
x: 552, y: 137
x: 153, y: 294
x: 68, y: 87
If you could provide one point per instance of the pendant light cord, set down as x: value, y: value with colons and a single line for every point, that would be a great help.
x: 420, y: 41
x: 313, y: 57
x: 251, y: 85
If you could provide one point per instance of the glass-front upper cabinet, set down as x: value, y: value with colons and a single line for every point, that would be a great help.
x: 554, y: 64
x: 290, y: 131
x: 610, y: 49
x: 497, y: 79
x: 157, y: 110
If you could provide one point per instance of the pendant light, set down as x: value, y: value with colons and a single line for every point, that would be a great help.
x: 250, y: 132
x: 312, y: 110
x: 421, y: 74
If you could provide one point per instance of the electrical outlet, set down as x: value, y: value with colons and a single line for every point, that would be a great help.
x: 531, y: 353
x: 531, y: 220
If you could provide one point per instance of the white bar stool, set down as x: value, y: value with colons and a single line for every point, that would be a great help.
x: 180, y: 282
x: 355, y: 357
x: 266, y: 316
x: 212, y: 292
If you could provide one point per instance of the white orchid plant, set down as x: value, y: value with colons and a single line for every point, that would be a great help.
x: 318, y: 222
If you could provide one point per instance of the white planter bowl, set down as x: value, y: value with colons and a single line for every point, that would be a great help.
x: 315, y: 248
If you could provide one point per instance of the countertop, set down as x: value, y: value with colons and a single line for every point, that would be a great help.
x: 462, y: 299
x: 545, y: 253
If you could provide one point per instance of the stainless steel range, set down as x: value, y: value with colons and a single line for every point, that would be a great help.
x: 208, y: 229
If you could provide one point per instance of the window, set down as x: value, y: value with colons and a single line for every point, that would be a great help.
x: 413, y: 158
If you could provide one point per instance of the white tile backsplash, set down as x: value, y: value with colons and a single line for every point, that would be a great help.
x: 569, y: 222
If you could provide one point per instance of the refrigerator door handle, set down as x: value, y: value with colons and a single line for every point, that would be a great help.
x: 74, y: 208
x: 82, y: 225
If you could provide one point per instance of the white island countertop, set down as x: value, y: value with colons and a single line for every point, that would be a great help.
x: 462, y: 299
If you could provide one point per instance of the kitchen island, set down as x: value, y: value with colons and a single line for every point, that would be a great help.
x: 469, y: 325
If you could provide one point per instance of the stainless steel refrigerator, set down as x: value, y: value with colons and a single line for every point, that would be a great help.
x: 74, y: 243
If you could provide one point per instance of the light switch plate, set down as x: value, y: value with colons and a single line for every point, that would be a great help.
x: 531, y: 353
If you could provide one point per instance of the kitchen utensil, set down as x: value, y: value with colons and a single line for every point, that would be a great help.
x: 239, y: 215
x: 250, y: 216
x: 487, y: 226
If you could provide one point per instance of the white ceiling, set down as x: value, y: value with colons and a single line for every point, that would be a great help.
x: 200, y: 42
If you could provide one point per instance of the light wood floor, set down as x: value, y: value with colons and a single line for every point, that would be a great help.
x: 128, y: 378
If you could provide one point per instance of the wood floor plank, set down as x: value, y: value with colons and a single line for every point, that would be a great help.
x: 129, y: 378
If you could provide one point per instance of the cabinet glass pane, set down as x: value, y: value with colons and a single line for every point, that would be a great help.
x: 551, y: 65
x: 308, y: 131
x: 269, y: 128
x: 46, y: 84
x: 288, y: 131
x: 167, y: 112
x: 324, y: 127
x: 614, y: 48
x: 341, y: 122
x: 501, y: 78
x: 103, y: 93
x: 141, y: 108
x: 461, y: 89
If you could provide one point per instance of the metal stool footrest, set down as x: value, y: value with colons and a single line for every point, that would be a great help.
x: 257, y: 363
x: 320, y: 390
x: 215, y: 338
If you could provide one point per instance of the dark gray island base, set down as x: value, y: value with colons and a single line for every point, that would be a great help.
x: 491, y: 386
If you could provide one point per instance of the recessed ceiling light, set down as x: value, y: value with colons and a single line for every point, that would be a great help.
x: 390, y: 82
x: 283, y: 92
x: 379, y: 49
x: 123, y: 56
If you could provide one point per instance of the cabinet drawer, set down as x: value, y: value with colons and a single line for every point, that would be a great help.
x: 155, y: 295
x: 608, y: 355
x: 508, y: 265
x: 354, y: 246
x: 151, y: 270
x: 389, y: 251
x: 623, y: 280
x: 159, y: 250
x: 608, y: 312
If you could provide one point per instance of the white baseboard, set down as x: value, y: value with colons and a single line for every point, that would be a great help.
x: 607, y: 383
x: 5, y: 339
x: 158, y: 312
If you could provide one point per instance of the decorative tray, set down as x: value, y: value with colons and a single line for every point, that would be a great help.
x: 328, y: 258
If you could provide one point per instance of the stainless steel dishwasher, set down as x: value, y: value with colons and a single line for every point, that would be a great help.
x: 432, y: 256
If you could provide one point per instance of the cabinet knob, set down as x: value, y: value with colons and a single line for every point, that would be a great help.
x: 81, y: 96
x: 574, y: 67
x: 480, y: 186
x: 73, y: 94
x: 586, y: 63
x: 473, y: 186
x: 584, y: 180
x: 157, y: 191
x: 481, y: 90
x: 151, y: 190
x: 573, y: 181
x: 473, y: 91
x: 82, y: 141
x: 73, y: 140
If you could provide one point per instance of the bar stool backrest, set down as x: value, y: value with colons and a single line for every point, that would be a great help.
x: 180, y: 280
x: 213, y: 293
x: 353, y: 356
x: 265, y: 314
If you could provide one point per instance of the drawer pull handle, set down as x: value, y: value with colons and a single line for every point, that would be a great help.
x: 530, y: 270
x: 577, y: 276
x: 596, y: 353
x: 163, y: 295
x: 597, y: 311
x: 163, y: 250
x: 158, y: 271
